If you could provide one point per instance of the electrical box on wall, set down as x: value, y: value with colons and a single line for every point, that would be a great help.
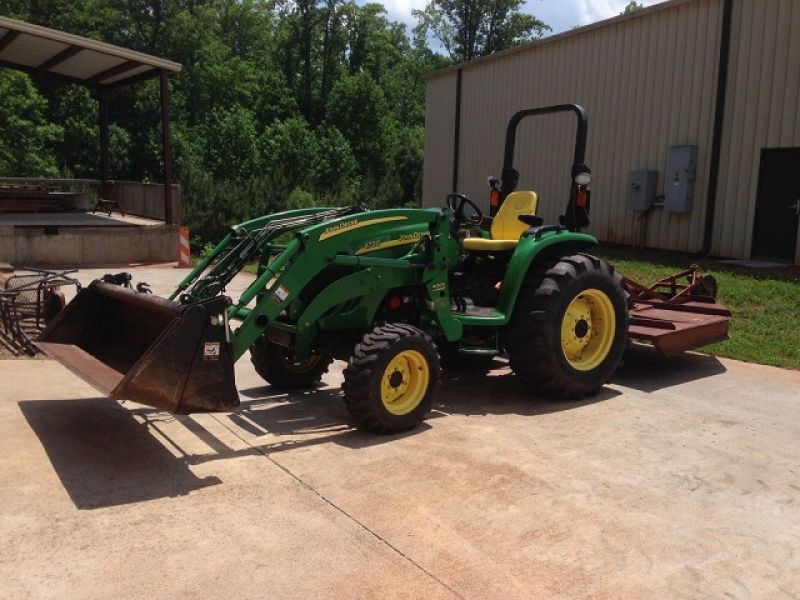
x: 679, y: 179
x: 642, y: 190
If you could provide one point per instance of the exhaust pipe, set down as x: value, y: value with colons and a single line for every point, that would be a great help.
x: 139, y: 347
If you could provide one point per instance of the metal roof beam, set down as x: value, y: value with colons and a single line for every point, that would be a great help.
x: 34, y: 71
x: 130, y: 80
x: 8, y: 38
x: 112, y: 72
x: 59, y: 58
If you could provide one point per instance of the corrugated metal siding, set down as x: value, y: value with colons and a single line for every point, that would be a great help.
x: 440, y: 99
x: 762, y: 112
x: 648, y: 83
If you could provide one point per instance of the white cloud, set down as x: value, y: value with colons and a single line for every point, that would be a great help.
x: 590, y: 11
x: 560, y: 14
x: 400, y: 10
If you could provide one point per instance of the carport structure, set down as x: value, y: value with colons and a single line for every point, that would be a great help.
x: 103, y: 68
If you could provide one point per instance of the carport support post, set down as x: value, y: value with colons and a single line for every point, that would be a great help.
x: 105, y: 143
x: 169, y: 217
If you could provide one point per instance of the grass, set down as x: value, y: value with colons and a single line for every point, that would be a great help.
x: 766, y: 306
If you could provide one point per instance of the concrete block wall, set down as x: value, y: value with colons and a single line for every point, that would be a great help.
x: 86, y: 246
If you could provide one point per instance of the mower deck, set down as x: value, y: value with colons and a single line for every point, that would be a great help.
x: 675, y: 317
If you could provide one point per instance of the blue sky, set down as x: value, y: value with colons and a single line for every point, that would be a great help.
x: 559, y: 14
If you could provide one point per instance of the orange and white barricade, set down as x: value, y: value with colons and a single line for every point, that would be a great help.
x: 184, y: 252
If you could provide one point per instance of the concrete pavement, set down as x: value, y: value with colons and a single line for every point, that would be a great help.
x: 680, y: 479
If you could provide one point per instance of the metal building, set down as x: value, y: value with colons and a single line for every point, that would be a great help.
x: 704, y: 92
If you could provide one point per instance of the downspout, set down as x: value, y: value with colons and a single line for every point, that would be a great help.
x: 457, y: 133
x: 719, y: 122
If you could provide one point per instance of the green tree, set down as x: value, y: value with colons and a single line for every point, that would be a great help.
x: 407, y: 163
x: 76, y: 111
x: 232, y: 149
x: 471, y: 28
x: 336, y: 173
x: 279, y: 102
x: 289, y: 152
x: 632, y: 6
x: 357, y: 108
x: 27, y: 143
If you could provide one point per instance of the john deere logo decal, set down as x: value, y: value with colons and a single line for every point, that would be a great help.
x: 345, y: 226
x: 338, y: 228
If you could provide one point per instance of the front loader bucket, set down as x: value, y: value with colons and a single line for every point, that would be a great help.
x: 139, y: 347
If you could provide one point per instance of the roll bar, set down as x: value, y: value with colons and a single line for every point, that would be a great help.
x: 510, y: 176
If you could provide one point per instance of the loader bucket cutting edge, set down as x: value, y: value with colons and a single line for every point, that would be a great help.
x: 139, y: 347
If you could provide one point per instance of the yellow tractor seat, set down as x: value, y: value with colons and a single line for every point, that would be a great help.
x: 506, y: 226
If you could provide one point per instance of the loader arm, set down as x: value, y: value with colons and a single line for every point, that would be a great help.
x: 348, y: 241
x: 246, y: 242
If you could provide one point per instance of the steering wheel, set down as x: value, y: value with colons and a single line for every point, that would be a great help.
x: 457, y: 203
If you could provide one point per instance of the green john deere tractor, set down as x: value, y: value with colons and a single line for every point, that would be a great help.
x: 386, y: 290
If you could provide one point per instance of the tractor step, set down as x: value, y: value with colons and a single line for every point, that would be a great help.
x: 478, y: 351
x: 480, y: 315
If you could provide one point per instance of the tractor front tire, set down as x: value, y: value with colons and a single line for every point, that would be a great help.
x: 569, y: 327
x: 390, y: 380
x: 277, y: 366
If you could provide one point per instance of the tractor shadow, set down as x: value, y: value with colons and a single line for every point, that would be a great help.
x: 106, y: 454
x: 109, y: 454
x: 645, y: 370
x: 106, y: 457
x: 497, y: 391
x: 319, y: 415
x: 275, y: 421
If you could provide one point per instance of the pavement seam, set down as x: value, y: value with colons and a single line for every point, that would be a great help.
x: 339, y: 509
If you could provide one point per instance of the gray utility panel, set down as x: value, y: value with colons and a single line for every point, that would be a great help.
x: 679, y: 179
x: 642, y: 190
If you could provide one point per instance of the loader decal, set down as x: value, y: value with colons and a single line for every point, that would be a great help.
x: 281, y: 294
x: 346, y: 226
x: 211, y: 351
x: 403, y: 240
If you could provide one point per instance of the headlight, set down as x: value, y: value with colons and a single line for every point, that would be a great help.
x: 583, y: 178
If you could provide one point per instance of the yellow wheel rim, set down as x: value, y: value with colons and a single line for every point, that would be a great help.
x: 404, y: 382
x: 587, y: 330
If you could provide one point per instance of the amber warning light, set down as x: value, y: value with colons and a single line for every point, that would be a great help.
x: 494, y: 199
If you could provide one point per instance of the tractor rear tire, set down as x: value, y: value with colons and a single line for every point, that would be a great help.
x: 569, y: 327
x: 390, y: 380
x: 277, y: 366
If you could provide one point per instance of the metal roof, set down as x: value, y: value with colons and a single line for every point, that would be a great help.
x: 48, y: 52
